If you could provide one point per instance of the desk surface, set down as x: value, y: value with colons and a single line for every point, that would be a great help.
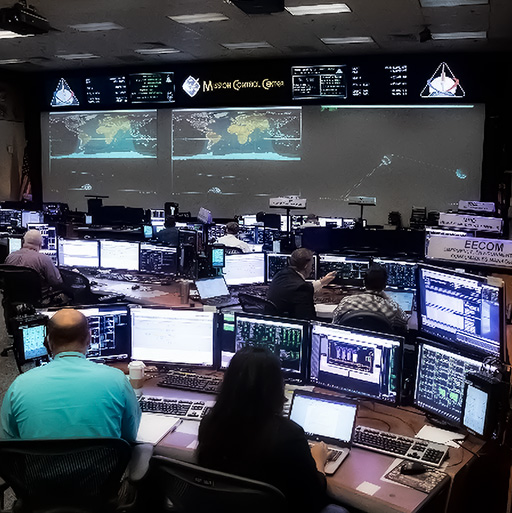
x: 358, y: 482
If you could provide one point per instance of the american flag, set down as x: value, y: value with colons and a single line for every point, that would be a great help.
x: 26, y: 187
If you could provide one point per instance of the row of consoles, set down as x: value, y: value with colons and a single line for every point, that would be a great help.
x: 458, y: 350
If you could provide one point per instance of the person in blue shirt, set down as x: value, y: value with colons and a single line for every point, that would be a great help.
x: 70, y: 397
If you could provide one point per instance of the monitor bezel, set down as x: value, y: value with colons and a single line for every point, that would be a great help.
x: 425, y: 331
x: 86, y: 241
x: 352, y: 393
x: 115, y: 241
x: 246, y: 255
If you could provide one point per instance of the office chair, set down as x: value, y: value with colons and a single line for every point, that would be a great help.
x: 256, y: 304
x: 371, y: 321
x: 21, y: 289
x: 233, y: 251
x: 81, y: 475
x: 194, y: 489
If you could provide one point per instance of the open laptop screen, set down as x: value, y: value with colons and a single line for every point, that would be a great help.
x: 326, y: 418
x: 212, y: 287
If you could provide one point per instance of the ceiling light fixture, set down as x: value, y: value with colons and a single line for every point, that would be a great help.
x: 8, y: 34
x: 460, y: 35
x: 346, y: 40
x: 247, y: 46
x: 11, y: 61
x: 199, y: 18
x: 76, y: 56
x: 96, y: 27
x: 156, y: 51
x: 303, y: 10
x: 451, y: 3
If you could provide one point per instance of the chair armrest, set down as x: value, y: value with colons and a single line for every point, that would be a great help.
x: 139, y: 462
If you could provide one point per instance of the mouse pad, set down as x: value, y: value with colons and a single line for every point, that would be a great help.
x: 425, y: 482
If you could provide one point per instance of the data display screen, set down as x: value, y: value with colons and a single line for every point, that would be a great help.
x: 157, y: 87
x: 356, y: 362
x: 440, y: 380
x: 104, y: 90
x: 117, y: 254
x: 158, y: 259
x: 349, y: 271
x: 461, y: 309
x: 245, y: 269
x: 319, y: 82
x: 287, y: 338
x: 401, y: 274
x: 79, y: 253
x: 173, y: 336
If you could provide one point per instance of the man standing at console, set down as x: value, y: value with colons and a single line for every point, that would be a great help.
x: 289, y: 290
x: 29, y: 256
x: 70, y: 397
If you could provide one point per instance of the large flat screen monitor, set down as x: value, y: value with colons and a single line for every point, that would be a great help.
x: 78, y: 253
x: 287, y: 338
x: 462, y: 310
x: 246, y: 269
x: 29, y: 334
x: 401, y: 274
x: 173, y: 337
x: 31, y: 217
x: 440, y: 380
x: 118, y: 254
x: 157, y: 259
x: 277, y: 261
x: 9, y: 217
x: 350, y: 271
x: 356, y: 362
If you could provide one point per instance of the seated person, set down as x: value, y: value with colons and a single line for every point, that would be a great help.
x: 70, y: 397
x: 29, y: 256
x: 374, y: 299
x: 289, y: 290
x: 230, y: 240
x: 245, y: 434
x: 311, y: 221
x: 170, y: 234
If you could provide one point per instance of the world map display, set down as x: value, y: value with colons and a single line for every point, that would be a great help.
x: 124, y: 134
x: 237, y: 134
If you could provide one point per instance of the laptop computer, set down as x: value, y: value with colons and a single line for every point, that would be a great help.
x: 403, y: 298
x: 326, y: 418
x: 215, y: 292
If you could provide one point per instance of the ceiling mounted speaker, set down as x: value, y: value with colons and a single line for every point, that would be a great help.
x: 259, y: 6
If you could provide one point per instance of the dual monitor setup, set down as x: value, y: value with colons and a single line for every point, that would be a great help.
x: 460, y: 331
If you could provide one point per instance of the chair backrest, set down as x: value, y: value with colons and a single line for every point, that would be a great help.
x: 256, y: 304
x: 233, y: 251
x: 194, y: 489
x: 69, y: 475
x: 77, y: 285
x: 371, y: 321
x: 20, y: 284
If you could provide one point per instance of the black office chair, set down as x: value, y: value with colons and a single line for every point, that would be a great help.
x: 257, y: 304
x: 371, y: 321
x: 21, y: 290
x: 233, y: 251
x: 81, y: 475
x: 194, y: 489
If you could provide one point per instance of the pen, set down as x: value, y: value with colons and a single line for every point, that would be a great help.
x: 173, y: 429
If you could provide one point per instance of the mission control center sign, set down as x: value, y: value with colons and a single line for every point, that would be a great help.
x: 488, y: 252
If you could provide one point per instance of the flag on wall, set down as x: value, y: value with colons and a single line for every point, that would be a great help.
x: 25, y: 186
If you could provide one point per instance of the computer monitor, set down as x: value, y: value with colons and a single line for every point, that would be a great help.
x: 15, y: 243
x: 78, y: 253
x: 440, y: 380
x: 217, y: 256
x: 29, y: 334
x: 277, y: 261
x: 118, y: 254
x: 173, y: 337
x: 110, y: 332
x: 401, y: 274
x: 147, y: 231
x: 9, y: 217
x: 158, y: 259
x: 356, y: 362
x: 461, y: 309
x: 287, y: 338
x: 350, y: 271
x: 246, y: 269
x: 331, y: 221
x: 31, y: 217
x: 49, y: 235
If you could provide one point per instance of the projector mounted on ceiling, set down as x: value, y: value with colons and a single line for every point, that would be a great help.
x: 23, y: 19
x: 259, y: 6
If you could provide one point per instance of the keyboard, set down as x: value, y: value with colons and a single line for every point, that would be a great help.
x: 191, y: 410
x: 191, y: 381
x: 335, y: 458
x: 406, y: 447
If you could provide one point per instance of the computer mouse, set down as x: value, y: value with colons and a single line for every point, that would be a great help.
x: 135, y: 287
x: 412, y: 468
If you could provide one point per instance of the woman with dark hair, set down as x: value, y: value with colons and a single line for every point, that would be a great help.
x: 245, y: 433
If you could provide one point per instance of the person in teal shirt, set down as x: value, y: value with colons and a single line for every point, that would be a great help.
x: 70, y: 397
